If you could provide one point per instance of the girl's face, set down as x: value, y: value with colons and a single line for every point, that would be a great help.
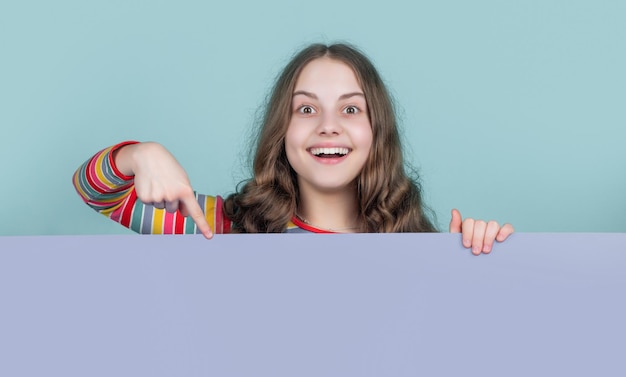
x: 329, y: 136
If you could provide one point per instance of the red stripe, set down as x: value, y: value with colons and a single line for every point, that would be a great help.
x: 128, y: 208
x: 112, y: 163
x: 227, y: 224
x: 308, y: 227
x: 179, y: 225
x: 219, y: 224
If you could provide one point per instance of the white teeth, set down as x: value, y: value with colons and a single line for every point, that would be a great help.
x: 318, y: 151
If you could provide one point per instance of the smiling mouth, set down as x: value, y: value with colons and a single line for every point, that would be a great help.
x: 329, y: 152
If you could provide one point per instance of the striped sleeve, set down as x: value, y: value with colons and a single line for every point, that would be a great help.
x: 106, y: 190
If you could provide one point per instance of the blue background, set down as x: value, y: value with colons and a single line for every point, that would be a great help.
x: 512, y: 110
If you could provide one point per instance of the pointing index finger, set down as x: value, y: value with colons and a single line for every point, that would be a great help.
x: 195, y: 212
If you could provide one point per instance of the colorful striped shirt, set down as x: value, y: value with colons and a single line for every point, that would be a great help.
x: 105, y: 189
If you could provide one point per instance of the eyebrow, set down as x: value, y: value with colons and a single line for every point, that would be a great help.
x: 341, y: 97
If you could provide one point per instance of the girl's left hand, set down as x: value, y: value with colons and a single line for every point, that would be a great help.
x: 478, y: 234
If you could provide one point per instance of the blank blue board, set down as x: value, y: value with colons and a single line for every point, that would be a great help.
x: 312, y: 305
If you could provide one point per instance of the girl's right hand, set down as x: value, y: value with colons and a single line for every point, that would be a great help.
x: 161, y: 181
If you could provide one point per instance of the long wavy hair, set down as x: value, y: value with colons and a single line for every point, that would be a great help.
x: 388, y: 199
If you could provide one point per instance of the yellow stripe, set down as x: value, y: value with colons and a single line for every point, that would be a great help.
x: 291, y: 225
x: 98, y: 169
x: 209, y: 211
x: 157, y: 220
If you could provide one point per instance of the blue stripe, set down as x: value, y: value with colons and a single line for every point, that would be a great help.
x: 146, y: 225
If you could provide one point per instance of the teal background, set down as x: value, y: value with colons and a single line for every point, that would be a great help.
x: 511, y: 110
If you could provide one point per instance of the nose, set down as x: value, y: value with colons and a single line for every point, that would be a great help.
x: 329, y: 125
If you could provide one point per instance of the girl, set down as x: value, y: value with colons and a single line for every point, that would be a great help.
x: 328, y: 159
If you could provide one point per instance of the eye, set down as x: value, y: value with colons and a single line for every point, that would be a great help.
x: 351, y: 110
x: 306, y: 110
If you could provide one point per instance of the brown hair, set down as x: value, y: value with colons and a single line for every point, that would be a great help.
x: 389, y: 201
